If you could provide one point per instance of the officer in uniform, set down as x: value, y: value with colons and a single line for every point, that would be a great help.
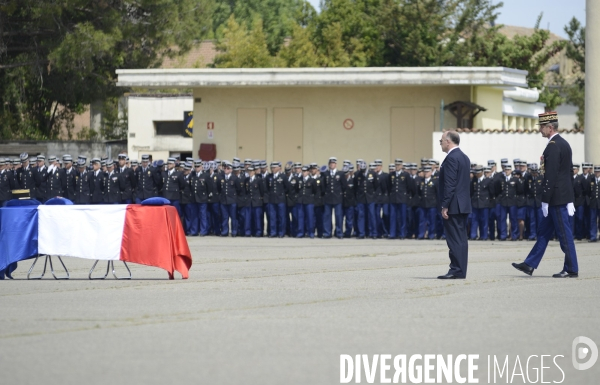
x: 334, y: 185
x: 482, y: 189
x: 214, y: 200
x: 7, y: 182
x: 319, y: 202
x: 229, y: 190
x: 579, y: 193
x: 349, y: 200
x: 40, y: 176
x: 520, y: 209
x: 70, y: 173
x: 366, y: 184
x: 129, y: 179
x: 534, y: 198
x: 412, y: 225
x: 291, y: 214
x: 381, y: 200
x: 148, y: 180
x: 592, y: 190
x: 277, y: 186
x: 256, y: 192
x: 83, y: 184
x: 262, y: 173
x: 97, y: 182
x: 427, y: 190
x: 172, y: 185
x: 401, y: 187
x: 188, y: 202
x: 113, y: 184
x: 243, y: 203
x: 587, y: 173
x: 504, y: 198
x: 57, y: 181
x: 198, y: 181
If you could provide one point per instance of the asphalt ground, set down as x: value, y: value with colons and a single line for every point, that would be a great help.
x: 282, y: 311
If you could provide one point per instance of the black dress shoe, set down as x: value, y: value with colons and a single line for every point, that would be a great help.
x: 525, y: 268
x: 593, y: 240
x: 360, y: 237
x: 565, y: 274
x: 450, y: 276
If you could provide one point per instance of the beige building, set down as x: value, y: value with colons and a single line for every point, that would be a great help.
x: 310, y: 114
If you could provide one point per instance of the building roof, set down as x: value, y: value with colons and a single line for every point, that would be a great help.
x: 321, y: 77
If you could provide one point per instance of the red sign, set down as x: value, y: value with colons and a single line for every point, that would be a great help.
x: 348, y: 124
x: 210, y: 125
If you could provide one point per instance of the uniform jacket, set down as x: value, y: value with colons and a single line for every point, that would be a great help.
x: 172, y: 185
x: 534, y: 191
x: 187, y: 194
x: 199, y: 184
x: 350, y: 191
x: 277, y: 187
x: 507, y: 191
x: 229, y: 189
x: 454, y: 183
x: 83, y: 187
x: 113, y: 187
x: 401, y: 187
x: 7, y: 184
x: 148, y: 182
x: 256, y: 191
x: 40, y: 176
x: 292, y: 195
x: 558, y: 172
x: 333, y: 186
x: 319, y: 201
x: 428, y: 192
x: 97, y: 186
x: 129, y: 182
x: 381, y: 194
x: 242, y: 199
x: 213, y: 187
x: 592, y: 191
x: 57, y: 183
x: 482, y: 192
x: 366, y: 184
x: 26, y: 181
x: 69, y: 192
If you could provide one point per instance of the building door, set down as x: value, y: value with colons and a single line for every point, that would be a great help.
x: 410, y: 133
x: 251, y: 133
x: 288, y: 134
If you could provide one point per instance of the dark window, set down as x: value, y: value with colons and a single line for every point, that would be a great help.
x: 169, y: 128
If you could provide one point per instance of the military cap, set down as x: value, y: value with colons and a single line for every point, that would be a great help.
x: 189, y: 159
x: 103, y: 163
x: 363, y: 165
x: 105, y: 158
x: 398, y: 161
x: 333, y: 159
x: 275, y: 164
x: 227, y: 164
x: 198, y: 162
x: 378, y: 162
x: 256, y: 163
x: 506, y: 166
x: 171, y: 160
x: 346, y: 161
x: 24, y: 156
x: 473, y: 165
x: 431, y: 161
x: 391, y: 166
x: 516, y: 172
x: 534, y: 167
x: 41, y: 158
x: 52, y: 158
x: 487, y: 169
x: 516, y: 161
x: 217, y: 161
x: 297, y: 165
x: 16, y: 162
x: 314, y: 165
x: 67, y: 158
x: 548, y: 117
x: 575, y: 166
x: 263, y: 164
x: 2, y: 161
x: 236, y: 160
x: 359, y: 161
x: 122, y: 156
x: 350, y: 167
x: 323, y: 168
x: 251, y: 168
x: 288, y: 165
x: 424, y: 160
x: 372, y: 165
x: 81, y: 163
x: 478, y: 168
x: 586, y: 165
x: 504, y: 161
x: 33, y: 159
x: 426, y: 168
x: 491, y: 162
x: 187, y: 166
x: 95, y: 160
x: 596, y: 168
x: 160, y: 163
x: 110, y: 163
x: 247, y: 161
x: 304, y: 168
x: 134, y: 162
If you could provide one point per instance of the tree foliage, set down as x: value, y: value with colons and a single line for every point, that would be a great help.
x: 575, y: 92
x: 58, y: 56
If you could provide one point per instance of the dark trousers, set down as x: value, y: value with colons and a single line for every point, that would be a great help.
x: 229, y: 212
x: 277, y: 219
x: 190, y: 218
x: 257, y: 221
x: 215, y: 218
x: 202, y: 224
x: 327, y: 223
x: 501, y: 216
x: 349, y: 221
x: 480, y: 222
x: 427, y: 220
x: 535, y: 218
x: 381, y: 215
x: 492, y: 223
x: 367, y: 223
x: 593, y: 223
x: 397, y: 220
x: 579, y: 221
x: 557, y: 222
x: 455, y: 228
x: 244, y: 221
x: 308, y: 217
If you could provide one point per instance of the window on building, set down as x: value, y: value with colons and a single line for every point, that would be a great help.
x: 169, y: 127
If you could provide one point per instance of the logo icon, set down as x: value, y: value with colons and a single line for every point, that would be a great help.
x: 583, y: 352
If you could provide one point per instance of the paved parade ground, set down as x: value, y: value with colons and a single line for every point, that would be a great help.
x: 282, y: 311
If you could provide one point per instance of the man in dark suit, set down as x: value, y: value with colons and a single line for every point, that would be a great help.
x: 454, y: 198
x: 557, y: 201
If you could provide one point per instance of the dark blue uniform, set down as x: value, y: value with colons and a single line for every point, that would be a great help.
x: 349, y: 204
x: 366, y: 183
x: 83, y: 187
x: 277, y: 187
x: 113, y: 187
x: 428, y: 204
x: 229, y: 188
x: 148, y: 181
x: 256, y: 192
x: 534, y: 197
x: 129, y: 183
x: 7, y: 184
x: 334, y: 184
x: 97, y: 192
x: 57, y: 183
x: 401, y: 188
x: 482, y: 191
x: 70, y: 184
x: 26, y: 181
x: 200, y: 191
x: 172, y: 185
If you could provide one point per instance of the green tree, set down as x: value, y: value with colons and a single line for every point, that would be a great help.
x: 240, y: 48
x: 300, y: 51
x: 575, y: 92
x: 57, y: 56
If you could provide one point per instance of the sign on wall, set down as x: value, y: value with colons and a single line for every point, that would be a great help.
x: 188, y: 124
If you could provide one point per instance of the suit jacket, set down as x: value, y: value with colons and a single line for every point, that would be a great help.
x: 454, y: 183
x: 558, y: 172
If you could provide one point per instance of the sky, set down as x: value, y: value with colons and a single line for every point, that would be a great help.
x: 524, y: 13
